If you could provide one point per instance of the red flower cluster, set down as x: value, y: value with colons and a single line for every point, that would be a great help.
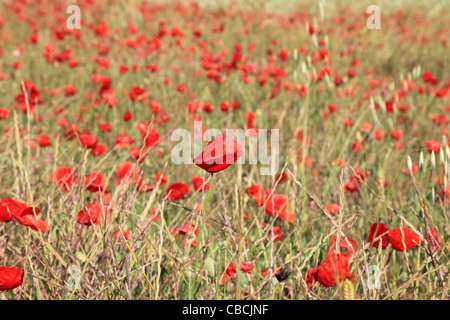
x: 401, y: 239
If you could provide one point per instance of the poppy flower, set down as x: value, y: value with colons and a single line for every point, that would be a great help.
x: 403, y: 239
x: 123, y: 140
x: 64, y: 177
x: 396, y: 134
x: 99, y: 149
x: 10, y: 278
x: 125, y: 172
x: 281, y: 177
x: 276, y: 206
x: 118, y: 234
x: 230, y: 272
x: 433, y: 146
x: 162, y: 179
x: 96, y: 181
x: 150, y: 137
x: 376, y: 230
x: 87, y: 140
x: 275, y: 234
x: 309, y: 278
x: 9, y: 207
x: 200, y: 184
x: 227, y: 274
x: 347, y: 245
x: 379, y: 134
x: 177, y: 191
x: 94, y: 213
x: 335, y: 267
x: 434, y: 241
x: 351, y: 187
x: 26, y: 217
x: 332, y: 208
x: 254, y: 190
x: 219, y: 154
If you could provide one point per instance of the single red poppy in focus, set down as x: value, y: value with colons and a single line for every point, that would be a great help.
x: 376, y: 230
x: 219, y: 154
x: 10, y: 278
x: 403, y: 239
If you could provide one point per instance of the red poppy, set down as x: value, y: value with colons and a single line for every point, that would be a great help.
x: 177, y: 191
x: 10, y: 278
x: 396, y: 134
x: 276, y: 206
x: 230, y: 272
x: 87, y: 140
x: 227, y: 274
x: 27, y: 217
x: 96, y: 181
x: 281, y: 177
x: 125, y: 172
x: 403, y: 239
x: 200, y: 184
x: 64, y: 177
x: 376, y: 230
x: 334, y: 268
x: 309, y: 278
x: 162, y: 179
x: 332, y: 208
x: 99, y: 149
x: 433, y: 146
x: 275, y: 234
x: 434, y: 241
x: 123, y: 140
x: 94, y: 213
x: 379, y: 134
x: 255, y: 190
x: 219, y: 154
x: 150, y: 137
x: 9, y: 207
x: 347, y: 246
x: 118, y: 234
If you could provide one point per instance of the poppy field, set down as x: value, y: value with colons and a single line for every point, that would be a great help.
x: 338, y: 190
